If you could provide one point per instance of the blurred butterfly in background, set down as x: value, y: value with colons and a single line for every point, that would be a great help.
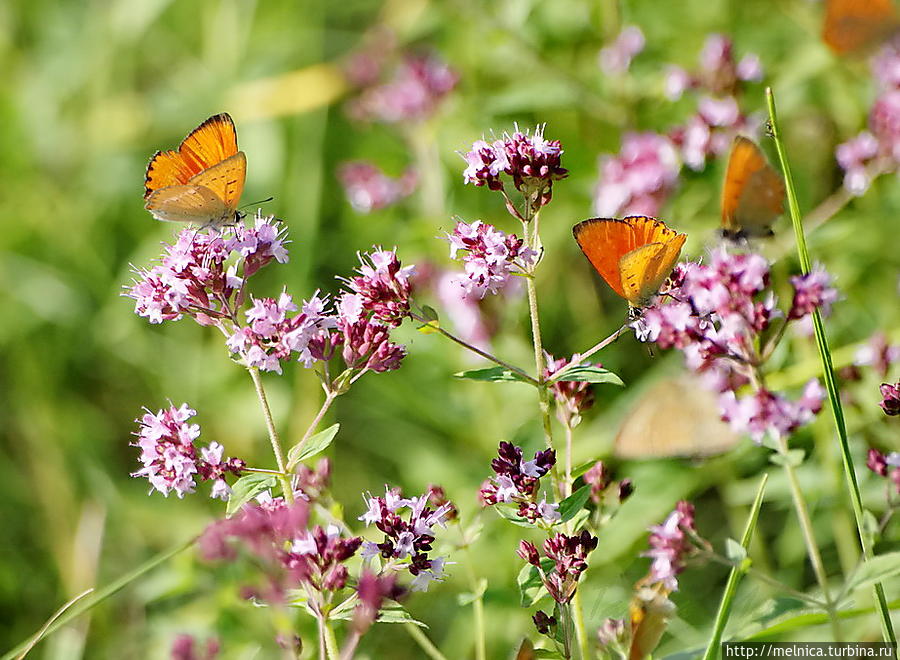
x: 633, y: 255
x: 858, y: 26
x: 753, y: 193
x: 201, y: 182
x: 675, y: 417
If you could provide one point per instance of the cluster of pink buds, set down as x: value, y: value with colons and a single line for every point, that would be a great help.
x: 885, y: 465
x: 491, y: 257
x: 569, y: 557
x: 203, y: 274
x: 671, y: 544
x: 412, y: 92
x: 316, y: 557
x: 372, y: 590
x: 715, y: 314
x: 171, y: 461
x: 720, y: 78
x: 878, y: 353
x: 406, y: 543
x: 876, y: 149
x: 639, y: 179
x: 518, y: 482
x: 601, y: 483
x: 369, y: 189
x: 382, y: 286
x: 185, y: 648
x: 531, y: 161
x: 615, y: 59
x: 572, y: 397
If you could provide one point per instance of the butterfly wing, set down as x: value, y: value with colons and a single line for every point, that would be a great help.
x: 753, y: 193
x: 226, y: 179
x: 649, y: 612
x: 188, y: 203
x: 674, y: 418
x: 643, y: 270
x: 858, y: 25
x: 603, y: 241
x: 209, y: 144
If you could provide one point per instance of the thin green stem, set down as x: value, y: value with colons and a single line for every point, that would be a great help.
x: 812, y: 548
x: 837, y: 411
x: 567, y: 486
x: 539, y: 364
x: 712, y: 649
x: 330, y: 396
x: 331, y: 646
x: 599, y: 346
x: 424, y: 643
x: 273, y: 435
x: 477, y: 608
x: 474, y: 349
x: 580, y: 629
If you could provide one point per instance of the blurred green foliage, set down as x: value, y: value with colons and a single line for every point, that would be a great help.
x: 91, y: 89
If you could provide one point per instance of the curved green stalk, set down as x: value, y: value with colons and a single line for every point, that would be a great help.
x: 837, y: 411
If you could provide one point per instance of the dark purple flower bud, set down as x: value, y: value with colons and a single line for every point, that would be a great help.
x: 626, y: 489
x: 890, y: 398
x: 544, y: 623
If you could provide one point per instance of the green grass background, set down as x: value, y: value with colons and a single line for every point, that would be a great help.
x: 91, y: 89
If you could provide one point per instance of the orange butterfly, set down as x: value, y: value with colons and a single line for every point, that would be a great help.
x: 753, y: 193
x: 853, y: 26
x: 201, y: 181
x: 634, y: 255
x: 649, y: 611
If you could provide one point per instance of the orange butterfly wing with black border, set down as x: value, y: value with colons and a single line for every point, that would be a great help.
x: 633, y: 255
x: 202, y: 181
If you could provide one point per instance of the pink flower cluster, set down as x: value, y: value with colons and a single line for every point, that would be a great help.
x: 272, y: 336
x: 670, y: 545
x: 885, y: 465
x: 715, y: 314
x: 183, y: 648
x: 878, y: 354
x: 615, y: 59
x: 532, y: 161
x: 572, y: 397
x: 569, y: 557
x: 718, y: 118
x: 171, y: 461
x: 406, y: 543
x: 377, y: 300
x: 518, y: 481
x: 890, y: 398
x: 639, y: 179
x: 369, y: 189
x: 491, y: 257
x: 194, y: 276
x: 598, y: 478
x: 878, y: 148
x: 413, y: 92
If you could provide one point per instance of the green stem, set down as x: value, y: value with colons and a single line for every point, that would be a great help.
x: 330, y: 396
x: 812, y: 548
x: 580, y: 630
x: 712, y: 649
x: 539, y: 364
x: 887, y: 628
x: 273, y: 435
x: 474, y: 349
x: 599, y: 346
x: 477, y: 608
x: 330, y: 642
x: 424, y: 643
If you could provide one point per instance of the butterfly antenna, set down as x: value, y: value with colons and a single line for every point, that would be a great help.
x: 262, y: 201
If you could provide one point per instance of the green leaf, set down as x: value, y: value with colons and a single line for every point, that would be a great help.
x: 246, y: 488
x: 315, y: 445
x: 531, y: 586
x: 574, y: 503
x: 589, y: 374
x: 548, y: 654
x: 872, y: 571
x: 492, y: 375
x: 429, y: 313
x: 511, y: 515
x: 391, y: 613
x: 793, y: 457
